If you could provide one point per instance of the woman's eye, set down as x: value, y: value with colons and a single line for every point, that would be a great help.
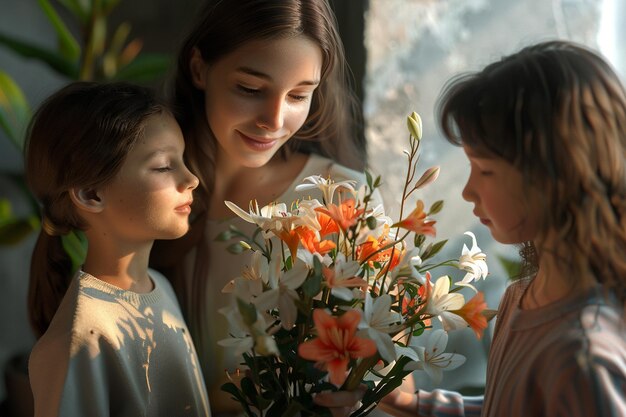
x: 163, y: 169
x: 298, y: 97
x: 247, y: 90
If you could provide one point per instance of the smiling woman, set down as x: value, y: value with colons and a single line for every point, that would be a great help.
x: 262, y: 96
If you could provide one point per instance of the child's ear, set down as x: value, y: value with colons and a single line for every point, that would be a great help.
x: 198, y: 69
x: 88, y: 199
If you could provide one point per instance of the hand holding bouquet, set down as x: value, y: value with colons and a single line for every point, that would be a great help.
x: 338, y: 295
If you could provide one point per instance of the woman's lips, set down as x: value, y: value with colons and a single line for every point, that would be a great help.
x: 258, y: 144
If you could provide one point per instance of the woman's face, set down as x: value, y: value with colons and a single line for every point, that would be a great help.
x: 258, y: 96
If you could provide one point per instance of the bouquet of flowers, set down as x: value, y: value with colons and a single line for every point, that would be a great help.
x: 338, y: 295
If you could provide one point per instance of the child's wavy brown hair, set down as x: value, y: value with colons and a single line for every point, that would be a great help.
x: 557, y: 112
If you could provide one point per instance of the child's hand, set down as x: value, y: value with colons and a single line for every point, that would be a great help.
x: 399, y: 403
x: 341, y: 403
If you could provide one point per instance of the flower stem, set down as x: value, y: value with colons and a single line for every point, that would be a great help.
x: 356, y: 374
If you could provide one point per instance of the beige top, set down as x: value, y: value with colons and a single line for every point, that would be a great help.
x: 111, y: 352
x: 224, y: 266
x: 564, y: 359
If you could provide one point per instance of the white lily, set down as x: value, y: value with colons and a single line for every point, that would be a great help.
x: 441, y: 303
x: 407, y: 267
x: 274, y: 217
x: 327, y: 186
x: 308, y: 215
x: 282, y: 294
x: 343, y: 276
x: 383, y: 223
x: 253, y: 276
x: 377, y: 321
x: 244, y: 338
x: 432, y: 358
x: 473, y: 261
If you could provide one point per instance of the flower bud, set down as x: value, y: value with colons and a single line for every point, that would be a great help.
x: 414, y: 123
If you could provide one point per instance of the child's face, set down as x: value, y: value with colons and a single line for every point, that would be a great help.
x: 501, y: 201
x: 259, y: 96
x: 150, y: 196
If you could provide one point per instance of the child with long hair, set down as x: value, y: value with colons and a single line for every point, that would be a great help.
x: 262, y: 95
x: 107, y: 159
x: 544, y: 130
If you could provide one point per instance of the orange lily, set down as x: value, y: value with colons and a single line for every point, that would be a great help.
x: 327, y: 224
x: 291, y: 238
x: 336, y: 344
x: 472, y: 313
x: 345, y: 214
x: 367, y: 250
x: 417, y: 221
x: 410, y: 306
x: 311, y: 241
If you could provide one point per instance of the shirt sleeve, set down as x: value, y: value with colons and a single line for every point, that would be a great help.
x: 443, y: 403
x: 588, y: 386
x: 77, y: 386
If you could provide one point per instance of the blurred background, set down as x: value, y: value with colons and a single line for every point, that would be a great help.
x: 401, y: 53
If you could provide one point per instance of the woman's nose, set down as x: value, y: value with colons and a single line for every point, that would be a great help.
x: 272, y: 116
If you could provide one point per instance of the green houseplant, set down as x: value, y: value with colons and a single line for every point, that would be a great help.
x: 97, y: 53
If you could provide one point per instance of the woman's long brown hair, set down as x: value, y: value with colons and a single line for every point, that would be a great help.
x: 330, y: 128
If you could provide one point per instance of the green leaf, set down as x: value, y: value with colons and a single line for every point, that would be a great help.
x: 435, y: 208
x: 81, y: 9
x: 224, y: 236
x: 238, y: 396
x: 249, y: 390
x: 14, y: 231
x: 110, y: 59
x: 371, y: 222
x: 433, y: 249
x: 145, y: 68
x: 6, y: 214
x: 419, y: 240
x: 512, y: 266
x: 313, y: 284
x: 109, y: 5
x: 247, y: 311
x: 14, y: 110
x: 68, y: 46
x: 57, y: 62
x: 75, y: 245
x: 235, y: 248
x: 369, y: 180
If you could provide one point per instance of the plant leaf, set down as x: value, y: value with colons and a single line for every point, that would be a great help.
x: 14, y: 110
x: 75, y: 245
x: 145, y: 68
x: 81, y: 9
x: 58, y: 63
x: 68, y: 46
x: 14, y: 231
